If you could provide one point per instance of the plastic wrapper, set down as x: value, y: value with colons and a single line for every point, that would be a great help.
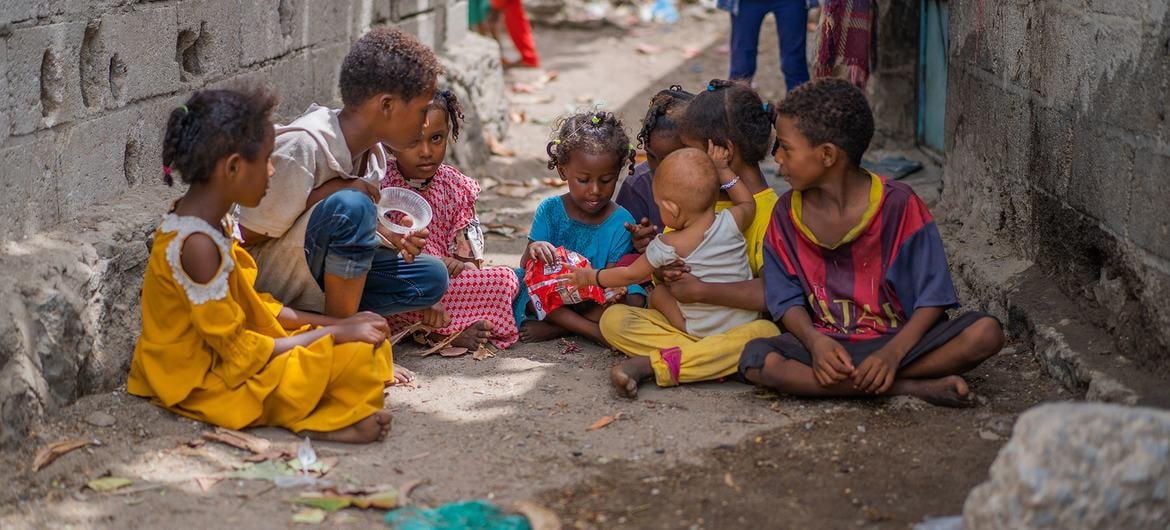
x: 550, y: 288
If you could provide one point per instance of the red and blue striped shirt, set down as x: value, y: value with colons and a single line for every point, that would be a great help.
x: 869, y: 283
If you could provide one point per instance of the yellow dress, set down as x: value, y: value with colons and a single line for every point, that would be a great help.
x: 206, y: 349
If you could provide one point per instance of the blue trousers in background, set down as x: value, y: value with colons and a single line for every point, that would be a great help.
x: 791, y: 18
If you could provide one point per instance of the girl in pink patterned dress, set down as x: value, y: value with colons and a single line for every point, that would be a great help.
x: 478, y: 303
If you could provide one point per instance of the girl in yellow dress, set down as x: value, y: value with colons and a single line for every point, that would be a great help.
x: 212, y: 348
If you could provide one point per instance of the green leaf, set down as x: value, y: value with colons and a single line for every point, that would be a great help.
x: 107, y: 484
x: 330, y: 503
x: 266, y: 470
x: 383, y: 500
x: 309, y: 516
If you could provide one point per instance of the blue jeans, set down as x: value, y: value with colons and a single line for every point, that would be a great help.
x: 791, y: 18
x: 341, y: 240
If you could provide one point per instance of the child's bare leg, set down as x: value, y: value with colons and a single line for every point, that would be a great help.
x: 626, y: 375
x: 583, y: 321
x: 796, y: 378
x: 664, y: 302
x: 982, y: 339
x: 372, y: 428
x: 561, y: 322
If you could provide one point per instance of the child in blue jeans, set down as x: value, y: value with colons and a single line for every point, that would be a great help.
x: 746, y: 18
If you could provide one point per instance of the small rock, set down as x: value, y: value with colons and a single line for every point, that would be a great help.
x: 808, y: 425
x: 660, y: 451
x: 861, y: 428
x: 577, y: 453
x: 989, y: 436
x: 603, y: 460
x: 100, y: 419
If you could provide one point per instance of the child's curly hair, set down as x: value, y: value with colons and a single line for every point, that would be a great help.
x: 212, y: 125
x: 731, y: 111
x: 594, y: 132
x: 660, y: 115
x: 446, y: 101
x: 387, y: 60
x: 832, y: 111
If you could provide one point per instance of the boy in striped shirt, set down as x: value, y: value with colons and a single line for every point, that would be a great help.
x: 855, y: 271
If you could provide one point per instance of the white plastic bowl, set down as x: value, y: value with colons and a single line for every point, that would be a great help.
x: 408, y: 203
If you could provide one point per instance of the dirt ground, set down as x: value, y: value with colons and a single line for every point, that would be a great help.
x: 514, y: 427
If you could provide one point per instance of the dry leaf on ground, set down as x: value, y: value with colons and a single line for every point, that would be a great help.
x: 108, y: 484
x: 539, y: 517
x: 46, y: 455
x: 483, y: 352
x: 647, y: 48
x: 261, y: 448
x: 206, y: 483
x: 453, y: 352
x: 605, y: 420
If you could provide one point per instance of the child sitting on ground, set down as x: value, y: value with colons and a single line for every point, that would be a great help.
x: 588, y: 152
x: 478, y: 302
x: 854, y: 270
x: 686, y: 187
x: 213, y: 348
x: 659, y: 137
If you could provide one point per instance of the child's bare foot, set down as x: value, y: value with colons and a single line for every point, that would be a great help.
x: 372, y: 428
x: 626, y: 375
x: 474, y: 336
x: 949, y: 391
x: 538, y: 331
x: 402, y: 375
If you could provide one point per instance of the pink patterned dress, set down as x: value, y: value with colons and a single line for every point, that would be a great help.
x: 476, y: 294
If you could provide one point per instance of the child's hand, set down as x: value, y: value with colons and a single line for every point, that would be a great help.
x: 720, y: 155
x: 618, y: 293
x: 688, y: 289
x: 582, y: 276
x: 671, y: 272
x: 831, y: 363
x: 875, y: 375
x: 643, y: 233
x: 436, y: 317
x: 364, y: 327
x: 454, y: 266
x: 543, y: 251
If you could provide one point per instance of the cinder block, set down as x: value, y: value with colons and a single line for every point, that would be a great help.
x: 212, y: 38
x: 421, y: 26
x: 407, y: 8
x: 92, y: 153
x: 1078, y: 53
x: 266, y: 29
x: 326, y: 64
x: 5, y: 96
x: 365, y: 14
x: 454, y: 24
x: 20, y: 10
x: 1101, y: 173
x: 1133, y: 9
x: 42, y: 75
x: 324, y: 21
x: 1148, y: 225
x: 143, y: 43
x: 142, y: 151
x: 28, y: 183
x: 293, y: 77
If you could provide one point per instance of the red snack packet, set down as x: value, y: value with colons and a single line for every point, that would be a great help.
x: 549, y: 289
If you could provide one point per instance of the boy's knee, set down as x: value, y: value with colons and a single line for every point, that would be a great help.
x: 350, y: 203
x: 432, y: 279
x: 987, y: 338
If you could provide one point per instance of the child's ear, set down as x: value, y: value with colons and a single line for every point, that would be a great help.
x: 671, y: 207
x: 829, y: 154
x: 387, y: 102
x: 233, y: 165
x: 561, y: 172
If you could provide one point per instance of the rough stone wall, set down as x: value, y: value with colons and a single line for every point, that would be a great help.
x: 85, y: 87
x: 893, y: 84
x: 1058, y: 144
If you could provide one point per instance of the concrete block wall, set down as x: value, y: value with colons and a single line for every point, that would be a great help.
x: 85, y: 89
x: 1059, y: 145
x: 94, y: 79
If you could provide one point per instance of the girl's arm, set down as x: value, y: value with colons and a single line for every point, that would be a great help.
x: 743, y: 207
x: 748, y: 294
x: 366, y: 327
x: 290, y: 318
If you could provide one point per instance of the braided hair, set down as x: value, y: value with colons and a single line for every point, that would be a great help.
x: 659, y: 116
x: 446, y: 101
x: 212, y: 125
x: 595, y: 132
x: 731, y: 111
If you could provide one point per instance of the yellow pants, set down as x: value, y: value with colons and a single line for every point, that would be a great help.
x: 676, y: 356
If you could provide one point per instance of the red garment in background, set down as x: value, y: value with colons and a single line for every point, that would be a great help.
x: 846, y: 41
x: 519, y: 29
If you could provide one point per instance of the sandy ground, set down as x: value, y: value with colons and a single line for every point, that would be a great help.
x: 514, y: 427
